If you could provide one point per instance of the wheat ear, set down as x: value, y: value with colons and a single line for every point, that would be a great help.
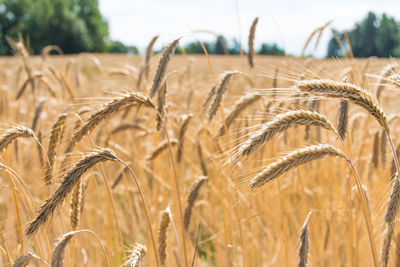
x: 292, y: 160
x: 395, y: 79
x: 181, y: 137
x: 136, y: 253
x: 55, y: 136
x: 194, y: 192
x: 383, y: 146
x: 106, y: 111
x: 68, y: 182
x: 387, y: 240
x: 351, y: 92
x: 160, y: 148
x: 386, y: 72
x: 13, y: 133
x: 25, y: 259
x: 251, y: 42
x: 57, y: 257
x: 75, y: 205
x: 281, y: 123
x: 162, y: 66
x: 161, y: 101
x: 343, y: 118
x: 149, y: 52
x: 303, y: 250
x: 239, y: 106
x: 210, y: 94
x: 219, y: 92
x: 162, y: 234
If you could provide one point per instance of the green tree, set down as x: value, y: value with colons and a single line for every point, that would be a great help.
x: 118, y: 47
x: 271, y: 49
x: 74, y: 25
x: 373, y: 36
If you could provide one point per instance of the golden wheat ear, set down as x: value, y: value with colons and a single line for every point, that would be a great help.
x: 351, y: 92
x: 281, y: 123
x: 162, y: 234
x: 136, y: 254
x: 250, y: 54
x: 12, y: 134
x: 292, y: 160
x: 55, y: 136
x: 194, y: 192
x: 68, y: 182
x: 304, y: 245
x: 239, y: 106
x: 162, y: 66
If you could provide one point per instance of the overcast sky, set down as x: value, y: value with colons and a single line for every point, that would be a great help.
x: 286, y: 22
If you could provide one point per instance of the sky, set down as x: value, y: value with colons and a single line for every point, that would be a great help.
x: 285, y: 22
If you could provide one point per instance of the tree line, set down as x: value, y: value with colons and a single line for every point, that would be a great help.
x: 78, y: 26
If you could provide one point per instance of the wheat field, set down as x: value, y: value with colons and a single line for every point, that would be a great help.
x: 95, y: 172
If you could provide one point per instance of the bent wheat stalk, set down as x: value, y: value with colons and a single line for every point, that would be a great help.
x: 281, y: 123
x: 68, y: 182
